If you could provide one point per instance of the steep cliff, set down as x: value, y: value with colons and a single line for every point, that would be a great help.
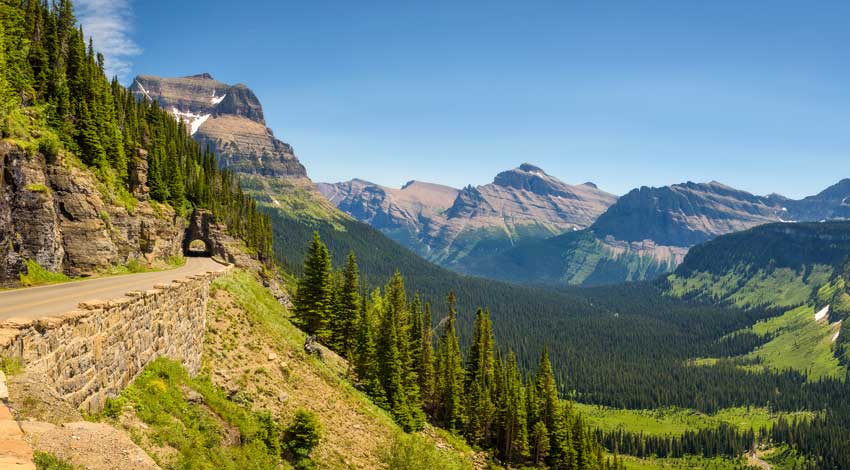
x: 55, y: 213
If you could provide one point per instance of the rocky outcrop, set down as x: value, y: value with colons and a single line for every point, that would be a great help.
x: 56, y: 215
x: 227, y: 118
x: 91, y: 354
x: 453, y: 227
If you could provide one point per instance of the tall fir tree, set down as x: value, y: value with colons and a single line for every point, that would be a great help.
x: 549, y: 410
x: 450, y: 373
x: 344, y: 329
x: 391, y: 353
x: 511, y: 418
x: 426, y: 362
x: 366, y: 366
x: 314, y: 294
x: 479, y: 381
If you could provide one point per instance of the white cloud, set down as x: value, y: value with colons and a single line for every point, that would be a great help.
x: 110, y: 23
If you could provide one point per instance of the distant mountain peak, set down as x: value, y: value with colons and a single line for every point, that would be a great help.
x: 201, y: 76
x: 531, y: 168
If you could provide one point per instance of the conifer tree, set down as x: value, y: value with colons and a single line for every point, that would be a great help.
x: 550, y: 409
x: 426, y: 362
x: 391, y: 353
x: 479, y: 381
x: 313, y: 297
x: 539, y: 441
x: 511, y: 419
x: 347, y: 309
x: 450, y: 374
x: 366, y: 356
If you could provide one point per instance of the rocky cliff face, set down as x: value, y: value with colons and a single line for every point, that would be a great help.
x: 228, y: 118
x: 453, y: 227
x: 54, y: 214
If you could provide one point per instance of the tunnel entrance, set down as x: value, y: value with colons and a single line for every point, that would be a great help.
x: 200, y: 237
x: 198, y: 248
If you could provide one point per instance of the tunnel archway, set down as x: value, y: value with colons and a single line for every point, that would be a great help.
x: 199, y: 237
x: 198, y: 248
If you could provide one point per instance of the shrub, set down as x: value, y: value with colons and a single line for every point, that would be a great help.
x: 11, y: 365
x: 46, y: 461
x: 49, y: 146
x: 36, y: 275
x: 413, y: 452
x: 37, y: 188
x: 301, y: 437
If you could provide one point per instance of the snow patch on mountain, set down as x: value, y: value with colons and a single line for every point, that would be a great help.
x: 194, y: 120
x: 217, y: 99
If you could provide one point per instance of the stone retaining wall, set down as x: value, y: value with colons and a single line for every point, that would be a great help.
x: 92, y: 353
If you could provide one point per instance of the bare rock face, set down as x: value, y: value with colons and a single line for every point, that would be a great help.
x: 53, y: 214
x: 685, y: 214
x: 452, y: 227
x: 227, y: 118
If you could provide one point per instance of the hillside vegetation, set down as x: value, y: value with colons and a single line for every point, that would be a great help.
x: 256, y: 377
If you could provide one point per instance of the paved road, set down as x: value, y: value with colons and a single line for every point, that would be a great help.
x: 42, y: 301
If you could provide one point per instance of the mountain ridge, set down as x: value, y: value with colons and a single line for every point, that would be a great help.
x: 473, y: 222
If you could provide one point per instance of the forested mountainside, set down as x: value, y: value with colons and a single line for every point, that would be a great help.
x: 649, y: 230
x: 455, y: 228
x: 93, y: 177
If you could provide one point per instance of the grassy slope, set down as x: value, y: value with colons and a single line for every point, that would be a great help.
x: 255, y: 368
x: 798, y: 343
x: 792, y: 268
x: 674, y: 421
x: 247, y: 329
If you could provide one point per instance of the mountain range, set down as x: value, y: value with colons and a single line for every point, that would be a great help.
x: 528, y: 226
x: 457, y: 227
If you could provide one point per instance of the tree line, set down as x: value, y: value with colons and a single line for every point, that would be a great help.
x: 54, y: 89
x: 412, y: 365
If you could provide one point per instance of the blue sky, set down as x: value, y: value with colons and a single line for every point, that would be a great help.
x: 754, y: 94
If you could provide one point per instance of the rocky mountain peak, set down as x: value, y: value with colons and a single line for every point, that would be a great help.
x: 527, y: 177
x: 528, y: 167
x: 202, y: 76
x: 470, y: 202
x: 228, y: 118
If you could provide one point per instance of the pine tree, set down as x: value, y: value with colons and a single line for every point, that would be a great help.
x: 313, y: 297
x: 550, y: 410
x: 539, y: 443
x: 511, y: 419
x: 347, y: 309
x: 365, y: 354
x: 426, y: 363
x: 479, y: 381
x: 391, y: 351
x: 450, y: 374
